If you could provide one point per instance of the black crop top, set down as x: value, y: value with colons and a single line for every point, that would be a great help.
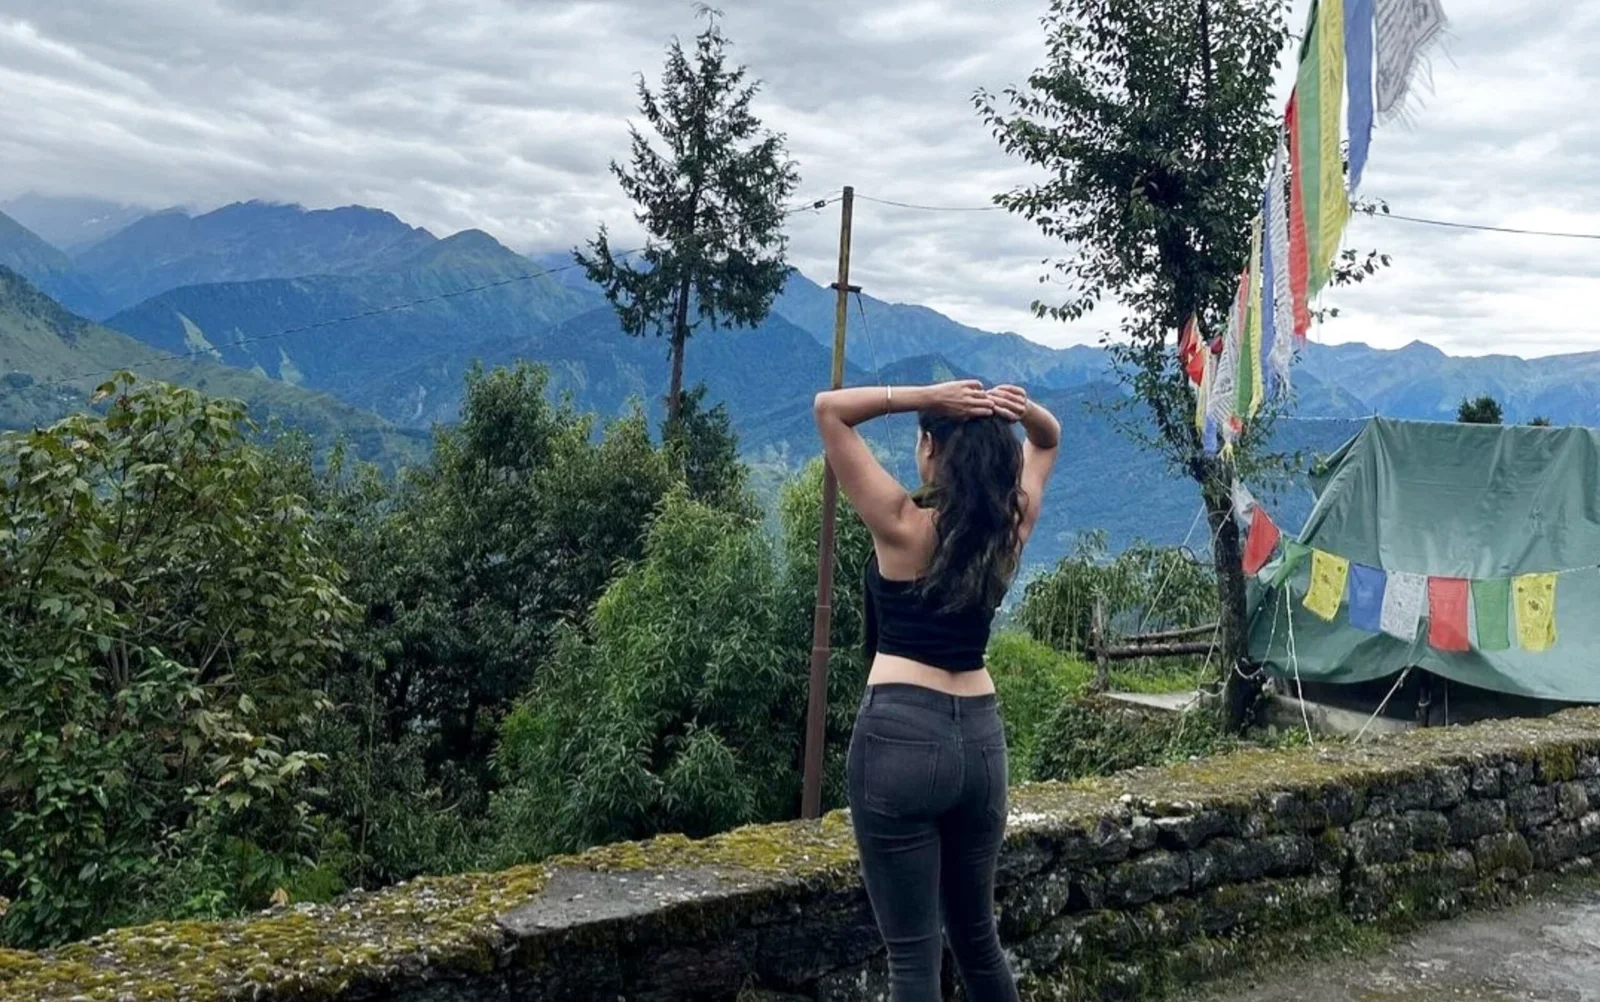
x: 902, y: 621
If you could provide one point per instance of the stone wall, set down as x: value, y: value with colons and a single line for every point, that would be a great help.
x: 1109, y: 889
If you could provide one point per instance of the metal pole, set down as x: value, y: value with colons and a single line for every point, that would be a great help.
x: 822, y: 619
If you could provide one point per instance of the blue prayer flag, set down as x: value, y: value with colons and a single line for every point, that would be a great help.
x: 1366, y: 597
x: 1358, y: 78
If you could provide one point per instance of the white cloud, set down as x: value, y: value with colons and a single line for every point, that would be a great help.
x: 502, y: 115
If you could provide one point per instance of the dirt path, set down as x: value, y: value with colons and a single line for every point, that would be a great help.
x: 1545, y: 952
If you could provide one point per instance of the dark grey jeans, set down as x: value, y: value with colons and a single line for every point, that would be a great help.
x: 927, y: 778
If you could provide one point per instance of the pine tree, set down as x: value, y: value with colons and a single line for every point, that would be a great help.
x: 710, y: 200
x: 1483, y: 410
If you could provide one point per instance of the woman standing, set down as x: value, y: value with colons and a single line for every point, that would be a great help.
x: 927, y: 762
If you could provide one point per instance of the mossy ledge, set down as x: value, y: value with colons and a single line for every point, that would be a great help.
x: 1130, y: 884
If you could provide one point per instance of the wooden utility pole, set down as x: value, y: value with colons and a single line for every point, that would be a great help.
x: 822, y: 619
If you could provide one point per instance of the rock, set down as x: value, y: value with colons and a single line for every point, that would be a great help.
x: 1286, y: 855
x: 1429, y: 830
x: 1035, y: 903
x: 1449, y: 787
x: 1532, y: 807
x: 1555, y: 845
x: 1378, y: 840
x: 1154, y: 875
x: 1191, y: 831
x: 791, y: 955
x: 1572, y: 801
x: 1487, y: 781
x: 868, y: 982
x: 1142, y: 834
x: 1475, y: 819
x: 1502, y: 856
x: 1589, y: 833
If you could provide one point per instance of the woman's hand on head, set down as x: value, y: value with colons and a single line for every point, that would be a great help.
x: 961, y: 398
x: 1010, y: 402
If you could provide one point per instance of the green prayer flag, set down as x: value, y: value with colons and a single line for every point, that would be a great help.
x: 1307, y: 88
x: 1491, y: 605
x: 1294, y: 554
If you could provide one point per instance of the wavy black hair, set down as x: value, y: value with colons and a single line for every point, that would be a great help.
x: 975, y: 492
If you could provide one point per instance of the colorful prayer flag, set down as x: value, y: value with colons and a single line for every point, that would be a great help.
x: 1277, y: 306
x: 1536, y: 611
x: 1366, y: 598
x: 1403, y: 595
x: 1405, y: 28
x: 1221, y: 407
x: 1308, y: 165
x: 1191, y: 351
x: 1202, y: 392
x: 1491, y: 608
x: 1358, y: 83
x: 1263, y: 539
x: 1447, y: 614
x: 1326, y: 592
x: 1335, y: 208
x: 1299, y: 253
x: 1250, y: 391
x: 1294, y: 554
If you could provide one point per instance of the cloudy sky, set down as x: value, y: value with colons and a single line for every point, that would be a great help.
x: 502, y: 115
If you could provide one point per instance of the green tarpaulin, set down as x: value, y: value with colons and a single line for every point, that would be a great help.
x: 1449, y: 500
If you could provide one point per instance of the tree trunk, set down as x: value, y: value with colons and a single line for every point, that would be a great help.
x: 680, y: 336
x: 1238, y: 692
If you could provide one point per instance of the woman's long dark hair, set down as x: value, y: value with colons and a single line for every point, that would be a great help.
x: 976, y: 496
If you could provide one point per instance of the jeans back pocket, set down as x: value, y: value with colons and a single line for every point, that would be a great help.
x: 899, y: 776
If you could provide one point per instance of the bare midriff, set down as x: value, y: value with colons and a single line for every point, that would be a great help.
x: 892, y: 668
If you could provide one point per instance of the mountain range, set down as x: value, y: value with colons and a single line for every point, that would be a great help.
x: 355, y: 307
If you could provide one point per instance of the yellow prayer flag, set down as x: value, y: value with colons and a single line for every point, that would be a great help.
x: 1326, y: 593
x: 1535, y: 600
x: 1253, y: 320
x: 1334, y: 210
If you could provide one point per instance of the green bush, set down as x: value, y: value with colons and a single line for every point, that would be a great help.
x: 1094, y: 736
x: 1143, y: 589
x: 1032, y: 681
x: 166, y: 610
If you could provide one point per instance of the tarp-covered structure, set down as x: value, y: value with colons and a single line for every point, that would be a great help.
x: 1448, y: 500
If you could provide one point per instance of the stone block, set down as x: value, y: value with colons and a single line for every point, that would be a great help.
x: 1429, y: 830
x: 1110, y: 842
x: 1589, y: 833
x: 1554, y: 845
x: 1475, y: 819
x: 1190, y: 831
x: 1516, y: 774
x: 1449, y: 787
x: 1572, y: 801
x: 868, y: 982
x: 1158, y: 874
x: 1487, y: 781
x: 1378, y: 840
x: 1142, y: 834
x: 1028, y: 907
x: 1502, y: 856
x: 1532, y: 807
x: 1286, y: 855
x: 793, y: 954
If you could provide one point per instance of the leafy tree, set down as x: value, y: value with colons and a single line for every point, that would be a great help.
x: 1483, y: 410
x: 165, y: 610
x: 1154, y: 125
x: 680, y: 705
x: 705, y: 454
x: 1539, y: 422
x: 711, y: 204
x: 1143, y: 588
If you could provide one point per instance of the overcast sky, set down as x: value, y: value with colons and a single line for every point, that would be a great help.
x: 502, y: 115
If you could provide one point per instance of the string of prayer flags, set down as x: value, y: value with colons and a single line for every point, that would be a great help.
x: 1358, y: 79
x: 1447, y: 614
x: 1206, y: 429
x: 1326, y: 593
x: 1536, y: 611
x: 1261, y: 542
x: 1366, y: 597
x: 1403, y: 596
x: 1405, y: 29
x: 1277, y: 342
x: 1491, y: 610
x: 1250, y: 384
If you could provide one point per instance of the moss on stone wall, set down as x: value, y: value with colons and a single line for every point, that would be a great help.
x: 367, y: 943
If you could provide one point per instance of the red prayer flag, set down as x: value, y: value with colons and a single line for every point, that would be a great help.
x: 1447, y: 614
x: 1191, y: 351
x: 1299, y: 256
x: 1262, y: 541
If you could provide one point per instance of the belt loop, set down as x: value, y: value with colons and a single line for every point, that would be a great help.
x: 870, y: 694
x: 955, y: 702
